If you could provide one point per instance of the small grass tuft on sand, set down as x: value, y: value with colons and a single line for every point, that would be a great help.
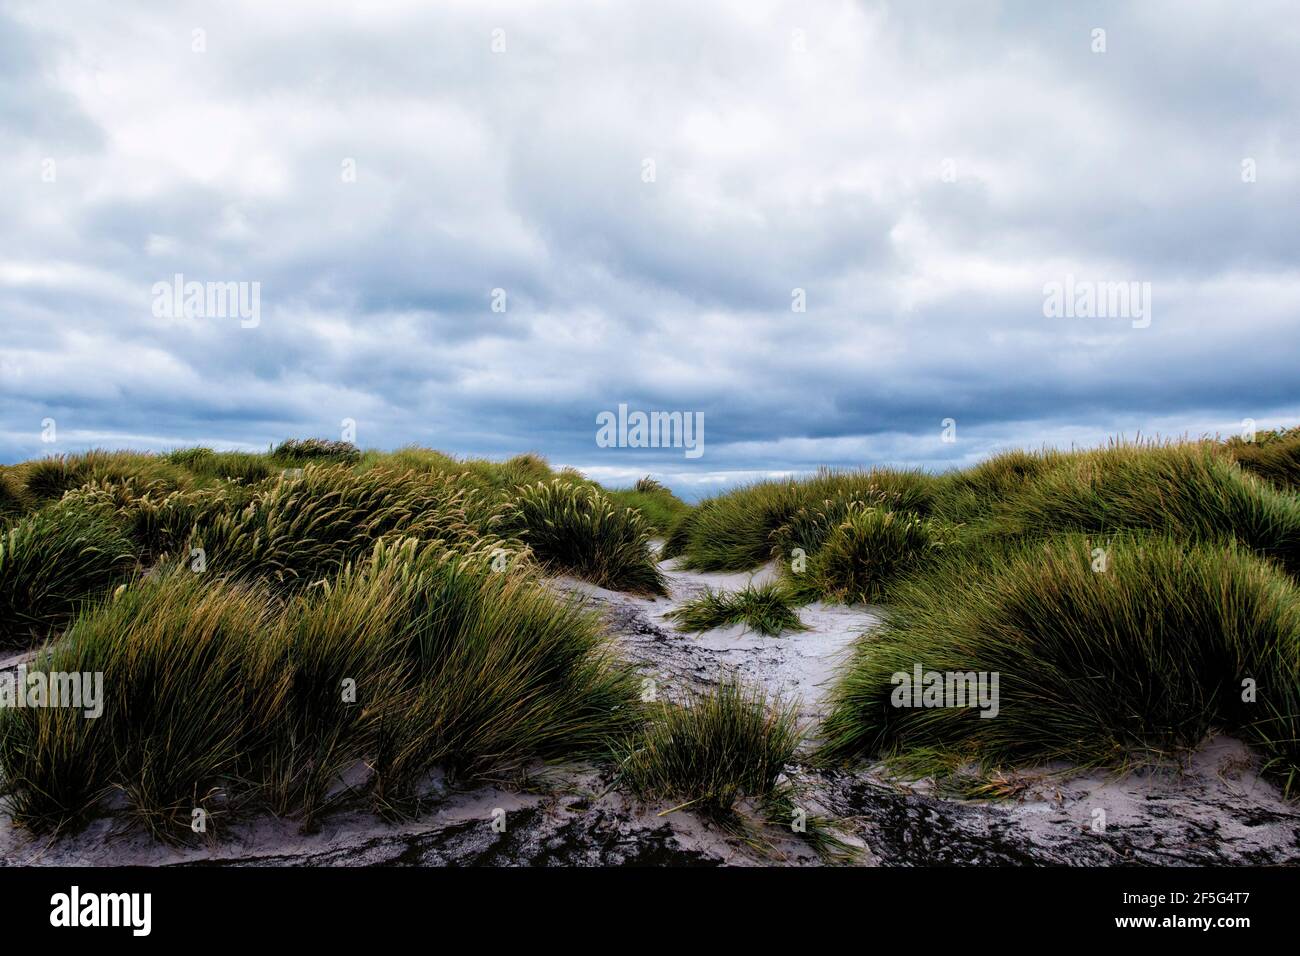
x: 713, y: 750
x: 765, y: 608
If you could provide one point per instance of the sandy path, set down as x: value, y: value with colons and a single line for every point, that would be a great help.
x: 798, y: 665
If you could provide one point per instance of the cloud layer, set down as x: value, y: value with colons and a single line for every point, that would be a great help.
x: 652, y: 187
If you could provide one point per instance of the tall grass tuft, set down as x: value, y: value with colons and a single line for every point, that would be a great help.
x: 679, y: 534
x: 160, y: 521
x: 713, y: 751
x: 1187, y: 490
x: 302, y: 451
x: 503, y: 673
x: 14, y: 500
x: 494, y: 478
x: 453, y: 666
x: 51, y: 562
x: 412, y: 458
x: 765, y: 608
x: 519, y: 470
x: 46, y: 479
x: 301, y: 529
x: 976, y: 492
x: 656, y: 504
x: 1140, y: 654
x: 190, y: 458
x: 866, y: 551
x: 740, y: 529
x: 181, y: 710
x: 341, y: 652
x: 576, y: 528
x: 204, y: 463
x: 1274, y: 456
x: 219, y: 696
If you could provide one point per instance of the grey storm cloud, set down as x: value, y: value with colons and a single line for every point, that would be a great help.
x: 652, y: 186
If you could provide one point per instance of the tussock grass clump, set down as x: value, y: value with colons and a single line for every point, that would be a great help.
x: 219, y: 696
x: 977, y: 492
x: 342, y: 653
x: 497, y: 478
x: 184, y: 707
x: 240, y: 466
x: 766, y: 608
x: 504, y: 476
x: 648, y: 485
x: 713, y: 751
x: 190, y: 458
x: 159, y: 521
x: 1093, y: 666
x: 811, y: 524
x: 13, y: 496
x: 576, y: 528
x: 188, y: 704
x: 738, y: 530
x: 316, y: 451
x: 204, y: 463
x: 46, y: 479
x: 301, y: 529
x: 1185, y: 490
x: 51, y: 562
x: 455, y: 666
x: 679, y: 534
x: 656, y: 504
x: 504, y: 673
x: 424, y: 461
x: 731, y: 532
x: 866, y: 551
x: 1274, y: 456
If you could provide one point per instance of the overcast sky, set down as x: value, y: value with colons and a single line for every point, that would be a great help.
x: 649, y: 184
